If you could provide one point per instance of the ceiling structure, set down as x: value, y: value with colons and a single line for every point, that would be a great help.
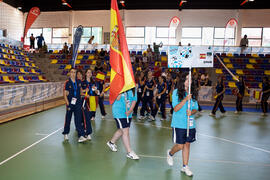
x: 56, y: 5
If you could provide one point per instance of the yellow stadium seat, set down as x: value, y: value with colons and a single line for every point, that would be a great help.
x: 6, y: 79
x: 255, y: 55
x: 41, y: 78
x: 77, y: 62
x: 2, y: 72
x: 239, y: 71
x: 232, y: 84
x: 249, y: 66
x: 230, y: 55
x: 229, y: 66
x: 11, y: 52
x: 236, y: 77
x: 5, y: 56
x: 23, y: 71
x: 68, y: 66
x: 252, y: 61
x: 2, y: 62
x: 219, y: 71
x: 226, y: 60
x: 91, y: 57
x: 260, y: 85
x: 79, y: 57
x: 54, y: 61
x: 55, y: 52
x: 164, y: 58
x: 94, y: 62
x: 27, y: 59
x: 13, y: 57
x: 22, y: 79
x: 26, y: 64
x: 33, y: 65
x: 267, y: 72
x: 33, y: 71
x: 22, y: 53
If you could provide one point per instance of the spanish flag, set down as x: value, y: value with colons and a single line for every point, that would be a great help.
x: 122, y: 78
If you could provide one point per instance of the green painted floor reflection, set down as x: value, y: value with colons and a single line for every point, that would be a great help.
x: 227, y: 147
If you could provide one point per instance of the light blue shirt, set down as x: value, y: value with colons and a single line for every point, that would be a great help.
x: 119, y: 106
x: 179, y: 118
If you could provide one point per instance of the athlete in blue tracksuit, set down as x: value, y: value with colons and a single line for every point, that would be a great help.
x: 88, y: 88
x: 140, y: 88
x: 101, y: 87
x: 72, y: 96
x: 161, y: 97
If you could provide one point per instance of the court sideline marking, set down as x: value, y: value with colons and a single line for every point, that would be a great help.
x: 25, y: 149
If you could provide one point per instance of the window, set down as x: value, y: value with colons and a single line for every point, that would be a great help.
x: 91, y: 31
x: 191, y: 35
x: 254, y: 36
x: 60, y: 35
x: 149, y: 35
x: 227, y: 34
x: 207, y: 35
x: 266, y: 37
x: 46, y: 32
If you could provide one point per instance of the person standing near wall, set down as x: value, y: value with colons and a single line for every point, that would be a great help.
x: 32, y: 41
x: 40, y: 40
x: 244, y: 43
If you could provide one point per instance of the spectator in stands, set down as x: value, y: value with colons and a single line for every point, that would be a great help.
x: 220, y: 90
x: 40, y: 40
x: 132, y: 58
x: 265, y: 95
x: 244, y: 43
x: 157, y: 71
x: 180, y: 44
x: 99, y: 67
x: 32, y: 41
x: 96, y: 54
x: 149, y: 53
x: 91, y: 40
x: 144, y: 58
x: 71, y: 49
x: 102, y: 53
x: 65, y: 48
x: 156, y: 50
x: 241, y: 87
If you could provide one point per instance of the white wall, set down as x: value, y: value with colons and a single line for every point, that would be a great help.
x: 11, y: 19
x: 216, y: 18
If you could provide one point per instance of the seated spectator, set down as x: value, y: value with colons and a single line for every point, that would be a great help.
x: 102, y: 53
x: 132, y: 58
x: 65, y: 48
x: 99, y: 67
x: 144, y: 58
x: 96, y: 54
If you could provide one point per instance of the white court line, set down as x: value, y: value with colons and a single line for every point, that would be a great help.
x: 222, y: 139
x: 40, y: 134
x: 208, y: 160
x: 13, y: 156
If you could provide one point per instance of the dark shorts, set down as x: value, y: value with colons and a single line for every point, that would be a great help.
x: 179, y: 136
x: 122, y: 122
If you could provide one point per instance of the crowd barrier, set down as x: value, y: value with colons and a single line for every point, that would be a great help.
x: 143, y: 47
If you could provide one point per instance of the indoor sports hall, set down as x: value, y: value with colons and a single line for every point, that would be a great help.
x: 66, y: 66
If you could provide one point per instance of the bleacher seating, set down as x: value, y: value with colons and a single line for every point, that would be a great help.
x: 17, y: 67
x: 251, y: 66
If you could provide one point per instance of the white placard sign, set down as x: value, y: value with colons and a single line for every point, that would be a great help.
x: 198, y: 56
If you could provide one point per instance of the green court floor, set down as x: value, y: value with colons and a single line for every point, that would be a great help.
x: 228, y: 147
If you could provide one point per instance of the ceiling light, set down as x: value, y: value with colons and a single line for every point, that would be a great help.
x: 122, y: 2
x: 19, y: 8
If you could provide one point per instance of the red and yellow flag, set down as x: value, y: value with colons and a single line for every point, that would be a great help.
x: 122, y: 78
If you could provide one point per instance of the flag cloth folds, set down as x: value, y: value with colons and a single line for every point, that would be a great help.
x: 122, y: 78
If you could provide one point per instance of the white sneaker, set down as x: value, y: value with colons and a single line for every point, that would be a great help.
x: 141, y: 117
x: 211, y: 114
x: 162, y: 119
x: 82, y: 139
x: 152, y: 118
x: 113, y: 147
x: 169, y: 158
x: 187, y: 171
x: 236, y: 112
x: 65, y: 137
x: 132, y: 155
x: 102, y: 117
x: 88, y: 137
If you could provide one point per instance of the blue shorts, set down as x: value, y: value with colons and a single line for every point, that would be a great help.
x: 122, y: 122
x: 179, y: 136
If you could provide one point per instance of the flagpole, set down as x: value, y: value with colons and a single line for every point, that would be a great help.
x: 189, y: 91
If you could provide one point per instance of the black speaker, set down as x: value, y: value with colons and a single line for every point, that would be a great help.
x: 4, y: 33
